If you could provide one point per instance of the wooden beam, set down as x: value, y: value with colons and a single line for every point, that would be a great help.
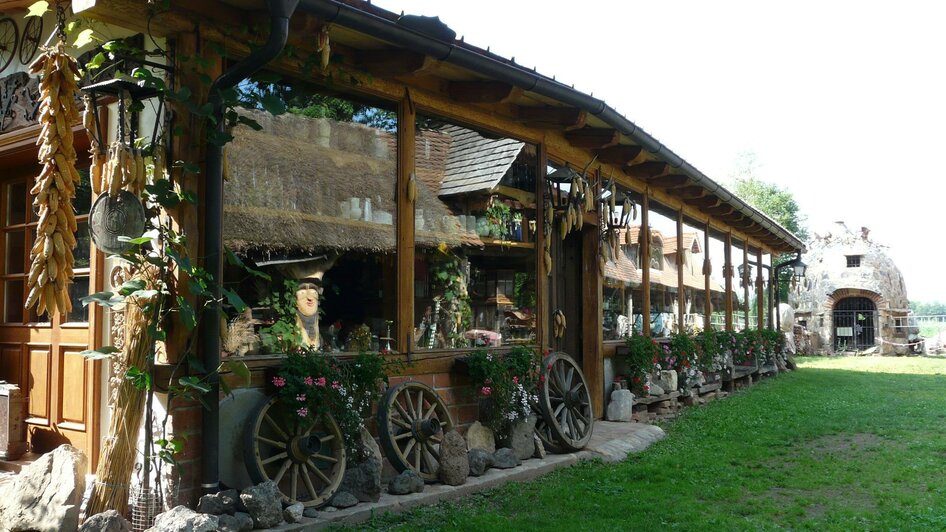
x: 706, y: 202
x: 404, y: 320
x: 592, y: 359
x: 622, y: 155
x: 566, y: 118
x: 479, y: 91
x: 691, y: 192
x: 647, y: 169
x: 727, y: 249
x: 668, y: 181
x: 392, y: 63
x: 643, y: 240
x: 720, y: 209
x: 707, y: 287
x: 593, y: 137
x: 542, y: 289
x: 681, y: 288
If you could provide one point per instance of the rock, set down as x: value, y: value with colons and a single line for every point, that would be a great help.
x: 343, y: 499
x: 520, y: 438
x: 621, y: 406
x: 238, y: 522
x: 263, y: 503
x: 408, y: 481
x: 454, y: 465
x: 368, y: 442
x: 505, y: 458
x: 330, y: 509
x: 363, y: 480
x: 479, y: 460
x: 655, y: 388
x: 231, y: 501
x: 668, y: 380
x: 107, y: 521
x: 46, y: 494
x: 539, y: 447
x: 310, y: 512
x: 479, y: 436
x: 212, y: 504
x: 293, y: 512
x: 183, y: 519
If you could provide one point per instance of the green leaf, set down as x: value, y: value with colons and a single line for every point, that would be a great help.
x: 131, y: 286
x: 234, y: 260
x: 250, y: 122
x: 194, y: 383
x: 238, y: 368
x: 95, y: 62
x: 37, y: 9
x: 84, y: 38
x: 273, y: 104
x: 100, y: 353
x: 140, y: 379
x: 135, y: 241
x: 187, y: 313
x: 103, y: 299
x: 234, y: 299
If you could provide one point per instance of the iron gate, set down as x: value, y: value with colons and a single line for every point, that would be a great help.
x: 854, y: 319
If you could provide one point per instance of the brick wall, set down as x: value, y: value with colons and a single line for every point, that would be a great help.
x: 455, y: 390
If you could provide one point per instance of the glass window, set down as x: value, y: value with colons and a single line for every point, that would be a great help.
x: 621, y: 309
x: 77, y: 290
x: 475, y: 224
x: 16, y: 203
x: 15, y: 252
x: 853, y: 261
x: 310, y: 199
x: 13, y: 301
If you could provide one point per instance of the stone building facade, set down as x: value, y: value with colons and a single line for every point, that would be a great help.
x: 853, y: 296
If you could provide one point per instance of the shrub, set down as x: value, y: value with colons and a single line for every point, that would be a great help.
x: 508, y: 381
x: 642, y: 357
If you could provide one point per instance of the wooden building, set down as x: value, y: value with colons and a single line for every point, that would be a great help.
x: 410, y: 160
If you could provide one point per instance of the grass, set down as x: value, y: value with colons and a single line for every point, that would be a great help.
x: 842, y: 444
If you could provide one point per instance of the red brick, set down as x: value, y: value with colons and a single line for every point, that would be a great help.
x: 186, y: 419
x: 463, y: 415
x: 456, y: 396
x: 426, y: 379
x: 451, y: 379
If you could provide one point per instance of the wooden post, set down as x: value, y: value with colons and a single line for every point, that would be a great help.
x: 542, y: 315
x: 707, y: 291
x: 404, y: 321
x: 760, y: 294
x: 727, y: 273
x: 681, y: 288
x: 592, y: 356
x: 745, y: 282
x: 643, y: 240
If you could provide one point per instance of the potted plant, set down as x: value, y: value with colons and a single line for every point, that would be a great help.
x: 641, y: 359
x: 506, y: 386
x: 497, y: 217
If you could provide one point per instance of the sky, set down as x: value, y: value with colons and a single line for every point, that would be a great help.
x: 842, y: 103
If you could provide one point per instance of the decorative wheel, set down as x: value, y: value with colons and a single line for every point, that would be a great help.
x: 32, y: 34
x: 565, y: 404
x: 9, y: 37
x: 412, y: 419
x: 544, y: 432
x: 304, y: 457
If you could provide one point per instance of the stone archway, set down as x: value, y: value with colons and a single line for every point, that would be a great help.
x: 854, y: 318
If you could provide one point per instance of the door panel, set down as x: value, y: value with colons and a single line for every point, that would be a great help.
x: 73, y: 381
x: 39, y: 382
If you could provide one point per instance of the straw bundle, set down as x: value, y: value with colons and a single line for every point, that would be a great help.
x: 117, y: 462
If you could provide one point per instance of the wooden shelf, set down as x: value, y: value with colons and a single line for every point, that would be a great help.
x: 507, y: 243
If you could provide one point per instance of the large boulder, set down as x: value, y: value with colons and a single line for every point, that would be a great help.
x: 480, y: 460
x: 107, y: 521
x: 454, y: 466
x: 263, y: 503
x: 668, y: 380
x: 479, y: 436
x: 621, y: 406
x: 520, y: 438
x: 505, y: 458
x: 45, y: 495
x: 408, y: 481
x: 363, y: 480
x: 343, y: 499
x: 293, y: 512
x: 786, y: 316
x: 183, y: 519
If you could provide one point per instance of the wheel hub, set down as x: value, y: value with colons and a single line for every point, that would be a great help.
x: 572, y: 399
x: 302, y: 447
x: 425, y: 428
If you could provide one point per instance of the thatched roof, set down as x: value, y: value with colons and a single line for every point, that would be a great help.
x: 286, y: 185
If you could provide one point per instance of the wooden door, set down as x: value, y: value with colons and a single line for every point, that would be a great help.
x: 42, y: 357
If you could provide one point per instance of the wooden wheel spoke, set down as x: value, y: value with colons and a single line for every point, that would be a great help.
x: 420, y: 404
x: 558, y: 410
x: 430, y: 411
x: 275, y: 458
x: 407, y: 448
x: 418, y: 451
x: 433, y: 452
x: 410, y: 406
x: 282, y: 472
x: 435, y: 439
x: 568, y: 377
x: 401, y: 424
x: 401, y: 410
x: 431, y: 465
x: 327, y: 437
x: 274, y: 443
x: 327, y: 458
x: 581, y: 416
x: 318, y: 472
x: 294, y: 482
x: 403, y: 435
x: 307, y: 480
x: 277, y: 428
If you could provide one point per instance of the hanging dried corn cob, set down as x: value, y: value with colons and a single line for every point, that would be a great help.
x: 51, y: 255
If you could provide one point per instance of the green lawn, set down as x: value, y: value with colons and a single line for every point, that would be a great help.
x: 842, y: 444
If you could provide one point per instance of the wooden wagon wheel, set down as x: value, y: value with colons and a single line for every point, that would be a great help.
x: 9, y: 37
x: 32, y: 34
x: 565, y: 404
x: 412, y: 419
x: 304, y: 457
x: 544, y: 432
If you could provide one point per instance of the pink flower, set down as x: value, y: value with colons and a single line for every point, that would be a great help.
x: 300, y: 397
x: 515, y: 379
x: 307, y: 381
x: 303, y: 412
x: 336, y: 385
x: 485, y: 391
x: 320, y: 381
x: 279, y: 382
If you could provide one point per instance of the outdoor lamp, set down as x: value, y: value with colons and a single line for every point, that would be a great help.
x: 799, y: 267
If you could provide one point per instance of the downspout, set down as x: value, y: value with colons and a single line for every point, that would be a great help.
x: 279, y: 12
x: 331, y: 11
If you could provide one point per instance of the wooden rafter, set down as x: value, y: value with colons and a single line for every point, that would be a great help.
x: 691, y: 192
x: 592, y: 137
x: 566, y: 118
x: 487, y: 91
x: 647, y: 169
x: 392, y: 63
x: 668, y: 181
x: 623, y: 155
x: 706, y: 202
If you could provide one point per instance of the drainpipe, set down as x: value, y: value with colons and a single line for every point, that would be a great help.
x: 279, y: 12
x: 331, y: 11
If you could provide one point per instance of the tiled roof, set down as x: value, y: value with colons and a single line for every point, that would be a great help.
x: 474, y: 162
x: 624, y: 269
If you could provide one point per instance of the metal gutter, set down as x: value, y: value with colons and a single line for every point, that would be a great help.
x: 345, y: 15
x: 279, y: 12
